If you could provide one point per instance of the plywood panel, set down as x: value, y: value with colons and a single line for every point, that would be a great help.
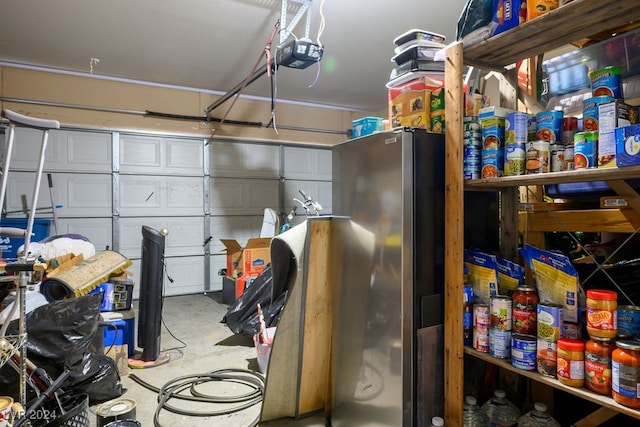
x: 184, y: 238
x: 236, y: 159
x: 160, y: 196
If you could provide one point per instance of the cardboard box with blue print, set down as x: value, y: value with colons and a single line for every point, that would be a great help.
x: 252, y: 258
x: 508, y: 14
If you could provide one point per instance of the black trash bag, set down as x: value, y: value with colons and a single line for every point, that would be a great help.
x: 59, y: 337
x: 242, y: 315
x: 475, y: 14
x: 97, y: 375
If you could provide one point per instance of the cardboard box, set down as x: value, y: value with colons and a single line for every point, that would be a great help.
x: 611, y: 116
x: 628, y: 146
x: 410, y: 103
x: 252, y: 259
x: 508, y: 14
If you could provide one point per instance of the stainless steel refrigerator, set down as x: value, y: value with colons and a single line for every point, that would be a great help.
x: 392, y: 184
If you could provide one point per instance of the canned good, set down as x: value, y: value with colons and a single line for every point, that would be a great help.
x: 556, y: 152
x: 570, y: 362
x: 493, y: 133
x: 549, y: 126
x: 569, y: 128
x: 568, y: 157
x: 584, y: 150
x: 481, y: 339
x: 516, y: 128
x: 549, y: 320
x: 601, y: 313
x: 625, y: 373
x: 500, y: 343
x: 590, y: 115
x: 481, y: 316
x: 546, y: 357
x: 597, y: 365
x: 524, y: 309
x: 500, y: 308
x: 514, y: 159
x: 607, y: 82
x: 523, y: 352
x: 537, y: 156
x: 492, y: 163
x: 629, y: 320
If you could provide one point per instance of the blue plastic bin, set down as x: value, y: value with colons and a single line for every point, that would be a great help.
x: 9, y: 246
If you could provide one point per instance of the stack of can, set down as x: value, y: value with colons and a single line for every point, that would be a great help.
x: 500, y: 308
x: 492, y: 147
x: 516, y: 134
x: 481, y: 327
x: 472, y: 147
x: 548, y: 332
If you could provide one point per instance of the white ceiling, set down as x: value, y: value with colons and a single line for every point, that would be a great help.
x: 214, y: 44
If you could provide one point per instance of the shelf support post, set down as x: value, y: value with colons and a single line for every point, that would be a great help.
x: 454, y: 240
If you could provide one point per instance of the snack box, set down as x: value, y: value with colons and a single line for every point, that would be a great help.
x: 628, y: 145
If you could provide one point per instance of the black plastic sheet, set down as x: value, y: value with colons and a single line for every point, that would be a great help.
x: 242, y: 315
x: 59, y: 337
x: 476, y: 14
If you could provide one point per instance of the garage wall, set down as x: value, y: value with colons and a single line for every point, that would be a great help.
x: 110, y: 183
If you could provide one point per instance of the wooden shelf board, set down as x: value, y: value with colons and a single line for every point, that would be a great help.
x: 593, y: 220
x: 567, y: 24
x: 582, y: 392
x: 578, y: 175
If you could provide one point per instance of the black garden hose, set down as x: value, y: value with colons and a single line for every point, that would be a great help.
x: 173, y: 390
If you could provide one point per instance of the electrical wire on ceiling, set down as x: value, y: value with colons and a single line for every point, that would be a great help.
x: 320, y: 31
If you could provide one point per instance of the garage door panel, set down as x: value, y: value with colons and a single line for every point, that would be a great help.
x: 70, y: 151
x: 216, y: 263
x: 242, y: 196
x: 161, y: 156
x: 307, y: 163
x: 139, y: 153
x: 160, y: 196
x: 185, y: 235
x: 79, y: 194
x: 97, y: 230
x: 319, y: 191
x: 237, y: 159
x: 240, y: 228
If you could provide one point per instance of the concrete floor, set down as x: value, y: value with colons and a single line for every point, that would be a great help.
x: 209, y: 346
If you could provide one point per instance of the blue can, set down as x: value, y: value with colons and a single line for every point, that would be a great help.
x: 524, y: 352
x: 492, y: 163
x: 516, y: 128
x: 629, y: 320
x: 549, y: 126
x: 500, y: 343
x: 590, y: 115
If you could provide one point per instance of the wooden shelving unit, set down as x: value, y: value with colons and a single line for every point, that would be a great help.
x: 582, y: 392
x: 570, y: 23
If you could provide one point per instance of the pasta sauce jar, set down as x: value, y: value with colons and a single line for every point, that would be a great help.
x: 570, y: 363
x: 524, y: 306
x: 597, y: 365
x: 625, y: 373
x: 602, y: 319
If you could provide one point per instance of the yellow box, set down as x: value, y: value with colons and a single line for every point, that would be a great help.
x: 252, y: 259
x: 410, y: 104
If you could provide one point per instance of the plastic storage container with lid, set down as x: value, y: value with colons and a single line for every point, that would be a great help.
x: 602, y: 319
x: 570, y: 363
x: 625, y: 373
x: 472, y: 415
x: 537, y: 417
x: 500, y: 410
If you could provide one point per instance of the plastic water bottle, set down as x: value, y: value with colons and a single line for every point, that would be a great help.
x: 537, y: 417
x: 437, y: 422
x: 500, y: 410
x: 472, y: 415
